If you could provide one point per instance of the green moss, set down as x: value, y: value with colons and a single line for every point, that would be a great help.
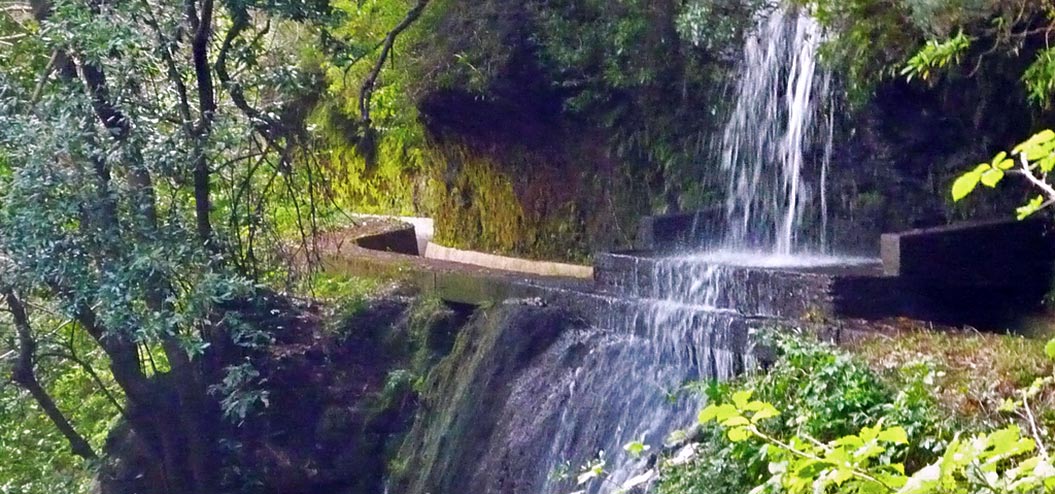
x: 443, y: 449
x: 522, y: 206
x: 618, y: 146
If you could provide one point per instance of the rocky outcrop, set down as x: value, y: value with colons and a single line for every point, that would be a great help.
x: 447, y: 450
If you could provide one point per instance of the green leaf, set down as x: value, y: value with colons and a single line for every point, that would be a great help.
x: 992, y: 177
x: 998, y: 159
x: 742, y: 398
x: 1033, y: 206
x: 1037, y: 146
x: 1046, y: 163
x: 896, y: 435
x: 736, y: 421
x: 1010, y: 405
x: 717, y: 413
x: 739, y: 434
x: 636, y: 448
x: 1049, y: 349
x: 965, y: 185
x: 766, y: 412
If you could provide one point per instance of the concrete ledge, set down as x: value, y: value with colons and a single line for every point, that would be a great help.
x: 990, y: 254
x: 679, y: 230
x: 541, y: 268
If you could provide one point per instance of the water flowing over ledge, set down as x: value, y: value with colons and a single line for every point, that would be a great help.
x: 657, y: 323
x: 776, y: 178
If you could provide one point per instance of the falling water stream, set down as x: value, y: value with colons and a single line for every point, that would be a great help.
x: 686, y: 318
x: 779, y: 117
x: 687, y: 321
x: 667, y: 321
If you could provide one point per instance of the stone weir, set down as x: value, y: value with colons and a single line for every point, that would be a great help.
x: 568, y: 368
x: 937, y: 274
x: 807, y: 290
x: 551, y: 382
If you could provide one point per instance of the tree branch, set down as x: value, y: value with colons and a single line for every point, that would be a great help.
x: 207, y: 109
x: 24, y: 374
x: 369, y: 84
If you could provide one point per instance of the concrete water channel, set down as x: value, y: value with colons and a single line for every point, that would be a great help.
x: 937, y: 274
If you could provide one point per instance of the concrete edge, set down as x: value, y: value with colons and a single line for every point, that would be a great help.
x: 541, y: 268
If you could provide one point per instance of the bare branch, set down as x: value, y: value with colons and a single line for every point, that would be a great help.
x: 369, y: 84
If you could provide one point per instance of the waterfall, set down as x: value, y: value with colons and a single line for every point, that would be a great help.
x: 666, y: 328
x: 659, y: 323
x: 779, y: 118
x: 687, y: 317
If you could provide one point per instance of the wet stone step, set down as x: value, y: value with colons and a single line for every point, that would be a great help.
x: 802, y: 292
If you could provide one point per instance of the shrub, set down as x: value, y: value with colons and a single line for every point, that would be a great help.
x: 822, y: 393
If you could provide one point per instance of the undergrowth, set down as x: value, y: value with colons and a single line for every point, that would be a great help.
x: 968, y: 405
x: 824, y: 393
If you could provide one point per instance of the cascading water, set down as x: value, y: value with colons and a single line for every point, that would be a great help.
x: 684, y: 320
x: 779, y: 117
x: 669, y: 321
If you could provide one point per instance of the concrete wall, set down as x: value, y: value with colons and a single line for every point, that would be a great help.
x: 992, y: 254
x: 541, y: 268
x: 668, y: 232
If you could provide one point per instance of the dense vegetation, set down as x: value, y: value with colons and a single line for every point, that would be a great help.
x: 165, y: 167
x: 147, y: 154
x: 823, y: 421
x: 617, y: 100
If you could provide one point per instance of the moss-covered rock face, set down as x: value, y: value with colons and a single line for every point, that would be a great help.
x: 538, y: 128
x: 447, y: 451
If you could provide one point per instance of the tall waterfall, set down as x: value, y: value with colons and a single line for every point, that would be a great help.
x: 775, y: 197
x: 685, y: 317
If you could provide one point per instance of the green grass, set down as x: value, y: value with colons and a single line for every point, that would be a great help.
x: 974, y: 372
x: 339, y: 287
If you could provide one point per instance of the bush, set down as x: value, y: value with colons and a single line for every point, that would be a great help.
x: 824, y: 394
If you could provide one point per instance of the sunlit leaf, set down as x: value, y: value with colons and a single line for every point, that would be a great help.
x: 636, y: 448
x: 992, y: 177
x: 965, y: 185
x: 896, y: 435
x: 738, y: 434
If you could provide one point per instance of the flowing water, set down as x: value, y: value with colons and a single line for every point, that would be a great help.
x: 666, y: 322
x: 775, y: 197
x: 688, y: 316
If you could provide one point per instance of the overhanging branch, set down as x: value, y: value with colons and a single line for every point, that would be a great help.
x: 367, y: 90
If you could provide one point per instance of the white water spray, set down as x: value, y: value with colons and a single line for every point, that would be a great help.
x: 781, y: 97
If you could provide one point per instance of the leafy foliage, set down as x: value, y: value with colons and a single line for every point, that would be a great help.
x: 147, y: 151
x: 936, y: 56
x: 37, y: 457
x: 760, y: 440
x: 1003, y: 461
x: 1035, y: 160
x: 868, y: 41
x: 815, y: 392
